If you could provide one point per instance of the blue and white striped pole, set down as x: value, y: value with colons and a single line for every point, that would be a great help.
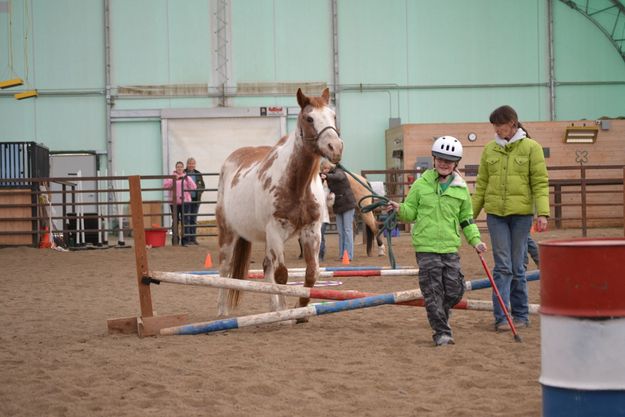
x: 478, y: 284
x: 292, y: 314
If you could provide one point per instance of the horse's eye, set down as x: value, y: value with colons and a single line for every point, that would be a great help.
x: 309, y: 119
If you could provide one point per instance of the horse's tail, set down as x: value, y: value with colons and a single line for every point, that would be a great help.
x: 369, y: 240
x: 372, y: 229
x: 240, y: 268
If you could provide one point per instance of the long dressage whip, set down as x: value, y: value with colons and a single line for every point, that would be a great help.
x: 390, y: 222
x: 501, y: 303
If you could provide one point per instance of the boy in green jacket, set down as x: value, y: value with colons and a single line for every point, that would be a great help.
x: 439, y: 203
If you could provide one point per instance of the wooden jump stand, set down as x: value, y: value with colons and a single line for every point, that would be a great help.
x: 148, y: 323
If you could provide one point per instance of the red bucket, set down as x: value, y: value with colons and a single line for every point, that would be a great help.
x: 155, y: 237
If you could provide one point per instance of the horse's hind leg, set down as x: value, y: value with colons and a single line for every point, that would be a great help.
x: 238, y: 268
x: 311, y: 241
x: 225, y: 265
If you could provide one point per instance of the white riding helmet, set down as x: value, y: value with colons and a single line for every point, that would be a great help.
x: 447, y: 147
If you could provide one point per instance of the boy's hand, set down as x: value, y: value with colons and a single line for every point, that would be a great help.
x: 481, y: 247
x: 391, y: 205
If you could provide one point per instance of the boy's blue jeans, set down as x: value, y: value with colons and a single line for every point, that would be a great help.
x: 508, y: 237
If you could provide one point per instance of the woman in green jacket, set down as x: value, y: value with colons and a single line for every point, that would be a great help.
x: 440, y: 204
x: 511, y: 185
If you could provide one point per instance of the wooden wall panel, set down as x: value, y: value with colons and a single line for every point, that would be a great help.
x: 12, y: 196
x: 609, y: 149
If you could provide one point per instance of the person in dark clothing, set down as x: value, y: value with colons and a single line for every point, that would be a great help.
x: 326, y: 166
x: 344, y: 209
x: 196, y: 198
x: 532, y: 250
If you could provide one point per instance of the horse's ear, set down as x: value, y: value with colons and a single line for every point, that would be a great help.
x: 302, y: 100
x: 326, y: 95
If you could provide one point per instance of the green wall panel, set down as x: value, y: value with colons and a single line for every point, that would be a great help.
x: 395, y: 57
x: 582, y: 51
x: 16, y: 120
x: 137, y: 148
x: 75, y: 123
x: 362, y: 128
x: 462, y: 105
x: 303, y: 31
x: 189, y: 41
x: 139, y: 42
x: 68, y: 44
x: 372, y: 42
x: 253, y: 41
x: 16, y: 43
x: 476, y: 42
x: 281, y: 41
x: 591, y: 102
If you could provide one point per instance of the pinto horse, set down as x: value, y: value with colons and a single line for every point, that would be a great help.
x: 368, y: 218
x: 271, y: 194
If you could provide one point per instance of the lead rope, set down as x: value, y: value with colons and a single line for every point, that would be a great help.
x: 390, y: 222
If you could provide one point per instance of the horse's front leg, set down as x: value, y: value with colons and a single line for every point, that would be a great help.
x: 311, y: 239
x: 274, y: 268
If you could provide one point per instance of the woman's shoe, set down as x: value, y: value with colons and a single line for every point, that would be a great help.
x: 520, y: 323
x: 502, y: 327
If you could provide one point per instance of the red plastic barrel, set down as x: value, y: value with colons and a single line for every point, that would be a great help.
x: 583, y: 277
x: 582, y: 327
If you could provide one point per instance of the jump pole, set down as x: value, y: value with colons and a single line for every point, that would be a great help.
x: 305, y: 292
x: 292, y: 314
x: 478, y: 284
x: 269, y: 288
x: 473, y: 285
x: 299, y: 269
x: 330, y: 273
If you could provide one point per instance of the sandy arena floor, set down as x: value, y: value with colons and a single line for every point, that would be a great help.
x: 56, y: 358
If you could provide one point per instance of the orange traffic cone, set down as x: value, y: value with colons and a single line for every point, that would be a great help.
x: 45, y: 241
x: 208, y: 262
x: 345, y: 260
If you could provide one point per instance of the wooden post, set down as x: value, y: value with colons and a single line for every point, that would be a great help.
x: 147, y: 324
x: 141, y: 256
x: 583, y: 184
x: 557, y: 199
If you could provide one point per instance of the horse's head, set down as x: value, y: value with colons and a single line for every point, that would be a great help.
x: 317, y: 125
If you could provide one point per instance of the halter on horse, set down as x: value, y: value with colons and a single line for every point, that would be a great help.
x: 271, y: 194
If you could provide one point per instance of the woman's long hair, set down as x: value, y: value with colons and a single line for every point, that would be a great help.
x: 506, y: 114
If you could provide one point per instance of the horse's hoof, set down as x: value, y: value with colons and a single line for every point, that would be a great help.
x: 302, y: 320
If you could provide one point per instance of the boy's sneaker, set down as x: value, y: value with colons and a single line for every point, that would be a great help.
x: 502, y: 326
x: 444, y: 339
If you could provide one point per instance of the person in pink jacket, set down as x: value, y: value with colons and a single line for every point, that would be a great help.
x: 184, y: 184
